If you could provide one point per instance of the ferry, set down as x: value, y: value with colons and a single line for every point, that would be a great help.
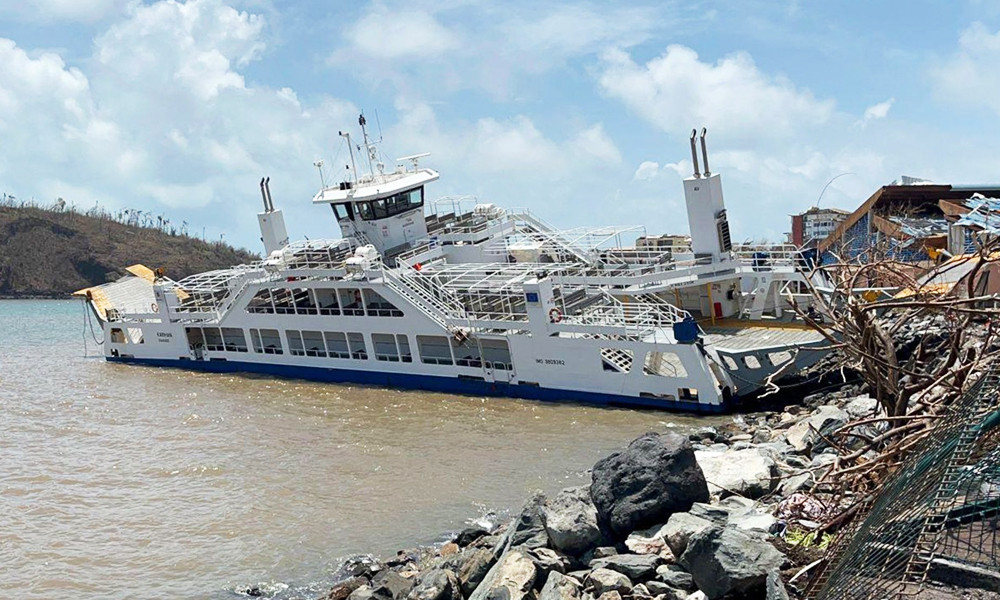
x: 459, y: 296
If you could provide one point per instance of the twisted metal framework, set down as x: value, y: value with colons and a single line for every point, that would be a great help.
x: 938, y: 518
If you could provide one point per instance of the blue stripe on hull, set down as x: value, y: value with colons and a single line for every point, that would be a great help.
x: 452, y: 385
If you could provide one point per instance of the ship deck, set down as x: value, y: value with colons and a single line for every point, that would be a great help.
x: 738, y: 336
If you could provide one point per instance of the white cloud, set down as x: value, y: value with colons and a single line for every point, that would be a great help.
x: 677, y: 91
x: 969, y: 76
x: 386, y: 34
x: 85, y: 11
x: 876, y: 112
x: 647, y: 171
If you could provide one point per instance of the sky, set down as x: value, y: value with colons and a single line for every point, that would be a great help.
x: 579, y: 111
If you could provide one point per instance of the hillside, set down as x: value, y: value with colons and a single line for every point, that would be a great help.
x: 47, y: 252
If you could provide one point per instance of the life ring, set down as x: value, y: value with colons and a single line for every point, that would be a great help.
x: 554, y: 315
x: 154, y: 307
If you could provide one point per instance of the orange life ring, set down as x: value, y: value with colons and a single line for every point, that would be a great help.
x: 554, y: 315
x: 154, y: 307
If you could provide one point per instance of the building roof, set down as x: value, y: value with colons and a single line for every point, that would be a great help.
x: 921, y: 200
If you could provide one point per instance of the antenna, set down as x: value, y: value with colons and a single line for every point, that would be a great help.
x: 322, y: 180
x: 704, y: 150
x: 369, y: 145
x: 694, y: 153
x: 354, y: 167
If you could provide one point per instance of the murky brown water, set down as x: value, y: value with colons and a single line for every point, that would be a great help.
x: 124, y: 482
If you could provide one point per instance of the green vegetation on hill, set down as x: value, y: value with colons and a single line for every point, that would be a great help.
x: 55, y: 251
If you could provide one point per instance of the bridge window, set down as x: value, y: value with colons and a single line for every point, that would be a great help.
x: 342, y: 211
x: 393, y: 205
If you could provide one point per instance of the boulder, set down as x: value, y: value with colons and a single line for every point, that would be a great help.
x: 362, y: 593
x: 675, y: 576
x: 724, y: 560
x: 774, y: 588
x: 748, y: 472
x: 861, y: 407
x: 636, y: 567
x: 606, y: 580
x: 390, y: 585
x: 512, y: 577
x: 805, y: 435
x: 679, y: 529
x: 610, y: 595
x: 470, y: 535
x: 344, y: 588
x: 571, y: 521
x: 436, y: 584
x: 477, y: 564
x: 528, y: 529
x: 655, y: 477
x: 547, y: 560
x: 602, y: 551
x: 752, y: 519
x: 359, y: 565
x: 649, y: 542
x: 560, y: 587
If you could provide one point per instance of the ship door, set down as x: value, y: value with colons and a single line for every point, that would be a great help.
x: 497, y: 364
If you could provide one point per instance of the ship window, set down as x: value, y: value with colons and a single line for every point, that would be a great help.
x: 378, y: 306
x: 213, y: 339
x: 496, y: 355
x: 336, y: 344
x: 356, y: 343
x: 385, y: 347
x: 342, y: 211
x: 312, y: 341
x: 434, y: 350
x: 295, y: 343
x: 261, y: 303
x: 234, y: 339
x: 350, y: 300
x: 730, y: 363
x: 664, y: 364
x: 118, y: 336
x: 326, y: 300
x: 404, y: 348
x: 283, y: 301
x: 779, y: 358
x: 751, y: 361
x: 392, y: 205
x: 689, y: 394
x: 305, y: 304
x: 467, y: 353
x: 270, y: 339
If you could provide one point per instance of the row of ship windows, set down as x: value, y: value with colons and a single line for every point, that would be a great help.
x: 432, y: 349
x: 352, y: 302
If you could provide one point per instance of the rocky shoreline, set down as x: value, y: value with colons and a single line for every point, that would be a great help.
x: 706, y: 515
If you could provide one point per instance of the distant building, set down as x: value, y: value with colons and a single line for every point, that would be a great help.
x: 910, y: 219
x: 972, y: 222
x: 671, y: 243
x: 815, y: 224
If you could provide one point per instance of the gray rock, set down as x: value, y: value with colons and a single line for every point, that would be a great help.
x: 603, y: 551
x: 747, y: 472
x: 513, y: 576
x: 640, y: 591
x: 477, y: 564
x: 709, y: 512
x: 610, y: 595
x: 727, y: 560
x: 679, y: 529
x: 805, y: 435
x: 752, y: 519
x: 636, y: 567
x: 795, y: 483
x: 345, y: 588
x: 571, y: 521
x: 362, y: 593
x: 654, y: 477
x: 861, y: 407
x: 699, y: 595
x: 606, y: 580
x: 547, y: 560
x: 470, y: 535
x: 436, y: 584
x: 390, y: 585
x: 528, y: 529
x: 774, y: 587
x: 649, y: 542
x: 675, y: 576
x: 560, y: 587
